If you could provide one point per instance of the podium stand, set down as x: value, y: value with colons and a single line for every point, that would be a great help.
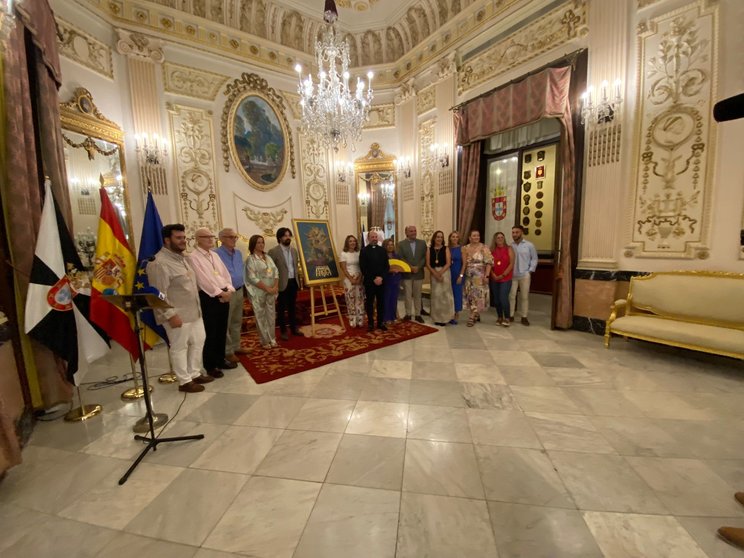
x: 133, y: 304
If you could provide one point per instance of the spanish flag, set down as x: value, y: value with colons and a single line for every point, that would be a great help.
x: 113, y: 273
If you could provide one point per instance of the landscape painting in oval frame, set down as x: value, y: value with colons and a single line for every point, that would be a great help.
x: 258, y: 140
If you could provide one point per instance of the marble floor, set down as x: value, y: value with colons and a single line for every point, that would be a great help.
x: 484, y: 441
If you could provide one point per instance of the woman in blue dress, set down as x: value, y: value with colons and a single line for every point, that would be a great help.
x: 453, y: 241
x: 392, y: 286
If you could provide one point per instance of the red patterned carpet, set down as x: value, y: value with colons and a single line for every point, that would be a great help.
x: 330, y: 344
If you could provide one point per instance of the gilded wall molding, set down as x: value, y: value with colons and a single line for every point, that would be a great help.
x: 190, y: 82
x: 381, y: 116
x: 426, y: 100
x: 674, y: 142
x: 447, y: 66
x: 565, y: 23
x: 314, y: 178
x: 142, y: 47
x: 427, y: 178
x: 292, y: 101
x: 264, y: 219
x: 193, y: 151
x: 84, y: 48
x: 405, y: 92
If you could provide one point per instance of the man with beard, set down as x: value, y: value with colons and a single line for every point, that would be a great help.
x: 287, y: 262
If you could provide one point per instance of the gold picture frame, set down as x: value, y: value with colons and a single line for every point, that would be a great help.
x: 317, y: 251
x: 255, y: 133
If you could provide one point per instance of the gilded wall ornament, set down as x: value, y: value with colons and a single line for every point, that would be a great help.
x: 140, y: 46
x: 426, y: 100
x: 84, y: 48
x: 381, y: 116
x: 314, y: 178
x: 255, y: 132
x: 675, y: 133
x: 265, y: 220
x: 184, y: 80
x: 428, y: 193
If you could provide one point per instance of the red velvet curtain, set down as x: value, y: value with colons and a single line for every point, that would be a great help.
x: 542, y: 95
x: 469, y: 176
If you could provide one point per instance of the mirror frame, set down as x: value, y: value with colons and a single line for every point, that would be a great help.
x: 81, y: 115
x: 376, y: 160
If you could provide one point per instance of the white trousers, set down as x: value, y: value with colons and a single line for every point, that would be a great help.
x: 412, y: 292
x: 234, y: 322
x: 523, y: 285
x: 186, y: 344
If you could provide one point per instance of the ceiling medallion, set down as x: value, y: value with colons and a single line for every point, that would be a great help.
x: 332, y: 114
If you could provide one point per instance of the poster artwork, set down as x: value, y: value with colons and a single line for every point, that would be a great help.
x: 498, y: 203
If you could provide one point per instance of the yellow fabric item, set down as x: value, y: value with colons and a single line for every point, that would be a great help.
x: 718, y: 339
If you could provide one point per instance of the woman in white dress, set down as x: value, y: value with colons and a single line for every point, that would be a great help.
x: 438, y: 262
x: 262, y: 283
x: 353, y: 287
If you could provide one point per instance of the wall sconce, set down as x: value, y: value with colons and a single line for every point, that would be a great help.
x: 440, y: 154
x: 363, y: 198
x: 86, y: 246
x: 344, y: 172
x: 152, y: 151
x: 403, y: 167
x: 388, y: 190
x: 605, y: 109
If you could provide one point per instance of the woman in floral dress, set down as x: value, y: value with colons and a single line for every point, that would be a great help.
x: 476, y: 269
x: 353, y: 287
x: 262, y: 283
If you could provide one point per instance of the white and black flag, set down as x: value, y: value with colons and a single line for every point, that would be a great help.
x: 58, y: 299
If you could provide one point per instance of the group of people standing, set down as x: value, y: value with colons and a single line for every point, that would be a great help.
x: 206, y: 291
x: 472, y: 276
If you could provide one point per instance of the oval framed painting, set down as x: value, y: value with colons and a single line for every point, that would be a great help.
x: 258, y: 139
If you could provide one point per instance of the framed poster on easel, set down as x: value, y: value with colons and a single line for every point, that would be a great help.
x: 319, y: 263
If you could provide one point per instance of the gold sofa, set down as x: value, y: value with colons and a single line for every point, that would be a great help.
x: 698, y: 310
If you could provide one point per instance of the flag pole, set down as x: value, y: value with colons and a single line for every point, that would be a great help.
x: 137, y: 392
x: 168, y: 377
x: 84, y: 412
x: 158, y: 419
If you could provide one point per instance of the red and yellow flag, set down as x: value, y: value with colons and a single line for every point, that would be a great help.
x: 113, y: 273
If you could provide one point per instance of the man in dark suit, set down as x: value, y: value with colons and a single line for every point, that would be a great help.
x: 413, y: 252
x: 287, y: 262
x: 373, y: 261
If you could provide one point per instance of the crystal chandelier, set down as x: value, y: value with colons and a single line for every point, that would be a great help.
x: 331, y: 112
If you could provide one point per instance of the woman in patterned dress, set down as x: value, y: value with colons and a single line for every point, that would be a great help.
x: 353, y: 287
x: 453, y: 243
x: 262, y: 283
x: 476, y: 269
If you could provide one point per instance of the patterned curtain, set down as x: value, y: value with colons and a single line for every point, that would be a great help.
x: 542, y: 95
x: 469, y: 175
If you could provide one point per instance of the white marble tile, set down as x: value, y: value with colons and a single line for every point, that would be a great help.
x: 443, y: 527
x: 126, y: 545
x: 323, y: 415
x: 502, y: 428
x: 488, y: 396
x: 516, y: 375
x: 544, y: 400
x: 393, y: 390
x: 189, y: 508
x: 521, y: 476
x: 568, y: 433
x: 239, y: 449
x: 370, y: 461
x: 636, y: 436
x: 392, y: 369
x: 351, y: 521
x: 444, y: 371
x: 442, y: 468
x: 266, y: 519
x: 704, y: 531
x: 300, y: 455
x: 271, y: 411
x: 472, y: 356
x: 674, y: 407
x: 433, y: 353
x: 478, y: 373
x: 512, y: 358
x: 434, y: 392
x: 184, y: 453
x: 622, y: 535
x: 221, y: 408
x: 603, y: 402
x: 377, y: 418
x: 444, y: 424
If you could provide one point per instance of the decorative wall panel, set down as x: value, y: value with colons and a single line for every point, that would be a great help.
x: 342, y: 193
x: 193, y: 151
x: 603, y: 145
x: 314, y: 177
x: 184, y: 80
x: 381, y: 116
x: 426, y: 100
x: 84, y: 49
x: 555, y: 28
x: 267, y: 219
x: 674, y: 141
x: 446, y: 181
x: 427, y: 177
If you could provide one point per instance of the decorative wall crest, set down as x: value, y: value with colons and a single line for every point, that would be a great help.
x: 265, y: 220
x: 406, y: 92
x: 426, y: 100
x: 447, y: 66
x: 314, y: 178
x: 568, y: 21
x: 254, y: 89
x: 140, y: 46
x: 84, y: 49
x: 184, y: 80
x: 675, y: 153
x: 193, y: 140
x: 381, y: 116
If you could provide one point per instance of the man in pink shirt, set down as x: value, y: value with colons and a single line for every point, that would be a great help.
x: 215, y: 291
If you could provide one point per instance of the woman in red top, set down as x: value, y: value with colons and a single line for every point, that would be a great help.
x: 501, y: 276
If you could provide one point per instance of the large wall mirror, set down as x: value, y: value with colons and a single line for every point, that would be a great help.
x: 94, y: 157
x: 377, y: 197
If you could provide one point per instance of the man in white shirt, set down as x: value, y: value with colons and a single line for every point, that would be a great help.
x: 524, y: 266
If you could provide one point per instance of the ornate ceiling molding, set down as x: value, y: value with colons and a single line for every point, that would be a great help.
x: 426, y: 100
x: 565, y: 23
x: 140, y: 46
x: 190, y: 82
x: 84, y: 48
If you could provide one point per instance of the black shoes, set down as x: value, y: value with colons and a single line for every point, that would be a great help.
x: 297, y: 333
x: 419, y: 319
x: 284, y: 335
x: 215, y: 373
x: 525, y: 321
x: 228, y: 365
x: 407, y: 318
x: 382, y: 327
x: 370, y: 328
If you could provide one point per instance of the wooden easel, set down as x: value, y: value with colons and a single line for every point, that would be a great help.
x: 328, y: 309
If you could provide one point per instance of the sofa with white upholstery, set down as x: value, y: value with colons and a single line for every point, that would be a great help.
x: 697, y: 310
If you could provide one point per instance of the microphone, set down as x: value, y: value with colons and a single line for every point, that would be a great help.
x: 729, y: 109
x: 109, y: 292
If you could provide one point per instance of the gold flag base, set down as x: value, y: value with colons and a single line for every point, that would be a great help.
x: 167, y: 378
x: 84, y: 412
x: 134, y: 393
x: 143, y: 425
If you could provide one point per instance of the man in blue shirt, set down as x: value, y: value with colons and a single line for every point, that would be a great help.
x: 524, y: 266
x: 233, y: 260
